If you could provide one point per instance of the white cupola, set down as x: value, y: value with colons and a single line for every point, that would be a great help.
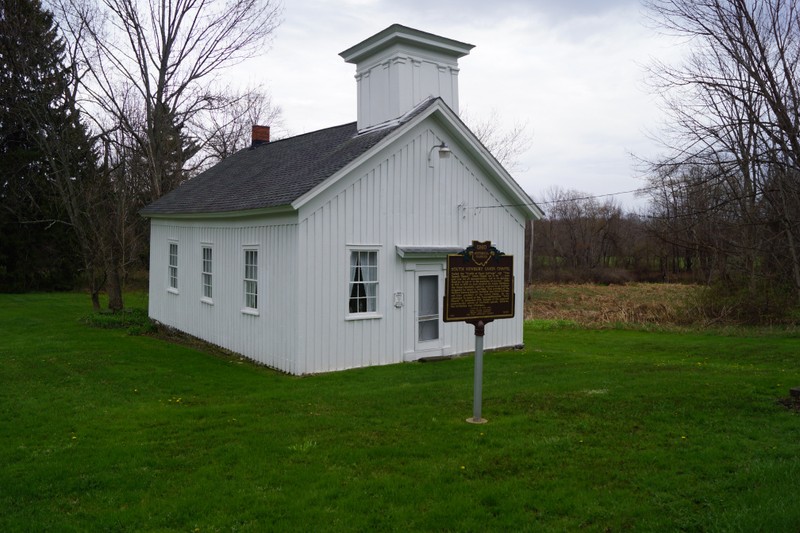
x: 399, y: 67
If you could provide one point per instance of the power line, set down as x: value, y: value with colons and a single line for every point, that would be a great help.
x: 641, y: 189
x: 567, y: 200
x: 672, y: 216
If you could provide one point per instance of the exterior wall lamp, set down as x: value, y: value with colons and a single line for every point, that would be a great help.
x: 444, y: 152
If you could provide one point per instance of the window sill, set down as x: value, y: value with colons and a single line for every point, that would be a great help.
x: 207, y: 301
x: 250, y: 311
x: 172, y: 291
x: 363, y: 316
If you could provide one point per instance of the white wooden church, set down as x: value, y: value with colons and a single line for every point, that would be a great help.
x: 326, y: 251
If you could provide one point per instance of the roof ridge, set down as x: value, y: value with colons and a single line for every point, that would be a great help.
x: 402, y: 119
x: 348, y: 124
x: 277, y: 173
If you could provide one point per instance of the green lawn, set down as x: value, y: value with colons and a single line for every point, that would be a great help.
x: 598, y: 430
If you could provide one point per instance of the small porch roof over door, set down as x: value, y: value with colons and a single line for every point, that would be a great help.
x: 426, y: 252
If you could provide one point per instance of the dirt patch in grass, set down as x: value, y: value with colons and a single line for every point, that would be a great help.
x: 600, y: 305
x: 790, y: 403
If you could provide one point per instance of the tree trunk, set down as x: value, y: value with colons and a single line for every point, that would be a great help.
x: 94, y: 292
x: 113, y: 286
x: 795, y: 258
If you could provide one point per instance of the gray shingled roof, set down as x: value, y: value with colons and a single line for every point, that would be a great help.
x: 272, y: 174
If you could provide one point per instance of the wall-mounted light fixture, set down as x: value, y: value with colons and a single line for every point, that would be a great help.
x: 444, y: 152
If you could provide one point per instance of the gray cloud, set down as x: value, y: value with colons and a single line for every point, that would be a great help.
x: 570, y: 70
x: 485, y: 11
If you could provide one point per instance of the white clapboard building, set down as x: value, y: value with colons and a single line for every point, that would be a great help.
x: 326, y: 250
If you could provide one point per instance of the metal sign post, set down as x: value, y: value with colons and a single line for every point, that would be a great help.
x: 477, y: 395
x: 479, y: 289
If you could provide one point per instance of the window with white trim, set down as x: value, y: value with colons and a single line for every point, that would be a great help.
x: 251, y: 279
x: 172, y: 269
x: 206, y: 275
x: 363, y: 283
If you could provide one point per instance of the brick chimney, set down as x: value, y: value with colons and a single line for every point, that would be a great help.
x: 399, y: 67
x: 260, y: 135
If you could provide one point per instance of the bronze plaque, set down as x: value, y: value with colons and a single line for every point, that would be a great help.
x: 479, y: 284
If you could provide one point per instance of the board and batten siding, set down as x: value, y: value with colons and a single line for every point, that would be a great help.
x: 269, y: 337
x: 396, y: 198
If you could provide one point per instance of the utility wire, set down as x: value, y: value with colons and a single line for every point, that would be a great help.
x: 567, y: 200
x: 672, y: 216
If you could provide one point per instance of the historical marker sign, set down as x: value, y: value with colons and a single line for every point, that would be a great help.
x: 479, y: 284
x: 479, y: 289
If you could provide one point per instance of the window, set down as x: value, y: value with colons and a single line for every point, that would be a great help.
x: 251, y: 279
x: 173, y: 266
x: 363, y: 286
x: 206, y: 276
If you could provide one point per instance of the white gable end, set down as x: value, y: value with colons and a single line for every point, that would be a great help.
x: 391, y: 201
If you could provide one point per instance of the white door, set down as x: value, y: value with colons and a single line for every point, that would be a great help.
x: 428, y: 311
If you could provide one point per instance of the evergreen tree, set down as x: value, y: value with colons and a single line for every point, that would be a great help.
x: 39, y: 248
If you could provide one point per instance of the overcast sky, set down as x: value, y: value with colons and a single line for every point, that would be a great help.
x: 571, y: 70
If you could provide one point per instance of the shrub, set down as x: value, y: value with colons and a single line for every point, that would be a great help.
x: 759, y: 303
x: 611, y: 276
x: 601, y: 276
x: 135, y: 321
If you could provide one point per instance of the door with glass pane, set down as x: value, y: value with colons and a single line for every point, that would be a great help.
x: 428, y: 305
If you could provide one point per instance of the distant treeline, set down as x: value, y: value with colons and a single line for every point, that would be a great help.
x: 746, y: 262
x: 584, y: 240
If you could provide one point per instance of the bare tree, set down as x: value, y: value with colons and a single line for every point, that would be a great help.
x: 698, y: 235
x: 581, y: 237
x: 506, y: 145
x: 226, y: 130
x: 735, y: 111
x: 146, y: 73
x: 165, y: 57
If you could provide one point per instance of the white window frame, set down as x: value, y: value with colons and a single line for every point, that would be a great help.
x: 430, y: 317
x: 172, y: 268
x: 351, y: 285
x: 207, y: 273
x: 251, y: 282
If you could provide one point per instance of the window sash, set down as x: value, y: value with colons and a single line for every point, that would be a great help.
x: 173, y: 266
x: 363, y: 282
x: 251, y: 279
x: 207, y: 272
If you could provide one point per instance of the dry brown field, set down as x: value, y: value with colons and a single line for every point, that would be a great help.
x: 647, y: 304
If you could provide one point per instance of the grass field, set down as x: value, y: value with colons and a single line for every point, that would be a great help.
x: 589, y: 429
